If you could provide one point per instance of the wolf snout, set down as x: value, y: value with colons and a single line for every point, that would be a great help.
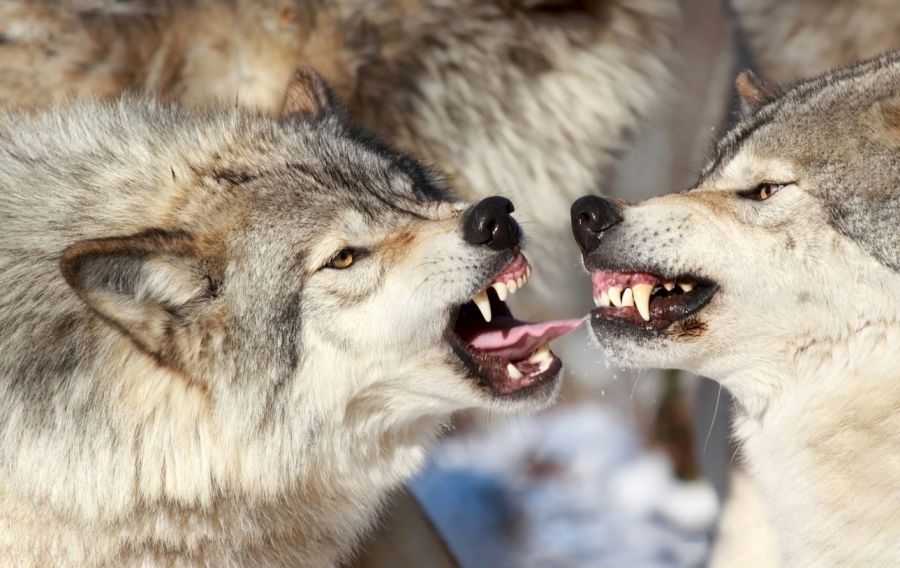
x: 489, y: 222
x: 591, y: 216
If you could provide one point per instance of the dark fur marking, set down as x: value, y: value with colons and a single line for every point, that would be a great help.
x: 690, y: 328
x: 231, y: 177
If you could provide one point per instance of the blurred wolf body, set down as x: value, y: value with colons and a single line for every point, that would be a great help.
x: 790, y: 40
x: 533, y: 99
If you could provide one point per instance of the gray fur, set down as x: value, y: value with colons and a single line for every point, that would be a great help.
x: 832, y: 125
x: 180, y: 379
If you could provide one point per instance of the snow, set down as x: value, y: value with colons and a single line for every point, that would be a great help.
x: 570, y: 487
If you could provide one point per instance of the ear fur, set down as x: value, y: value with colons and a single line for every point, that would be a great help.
x: 149, y: 286
x: 308, y: 96
x: 753, y: 91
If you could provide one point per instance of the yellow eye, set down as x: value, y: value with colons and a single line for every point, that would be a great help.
x: 343, y: 259
x: 762, y: 191
x: 765, y: 191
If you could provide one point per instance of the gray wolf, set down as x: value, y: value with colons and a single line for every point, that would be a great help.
x: 778, y: 275
x: 226, y: 337
x: 534, y: 99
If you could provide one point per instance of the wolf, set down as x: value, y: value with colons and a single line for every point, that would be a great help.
x: 535, y: 99
x: 778, y: 275
x: 794, y: 39
x: 227, y: 336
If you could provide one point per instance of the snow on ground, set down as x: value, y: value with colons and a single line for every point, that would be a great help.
x: 571, y: 487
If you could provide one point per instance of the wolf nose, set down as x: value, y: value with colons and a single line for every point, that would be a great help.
x: 591, y: 215
x: 489, y: 222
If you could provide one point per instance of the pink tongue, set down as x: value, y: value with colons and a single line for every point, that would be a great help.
x: 514, y: 340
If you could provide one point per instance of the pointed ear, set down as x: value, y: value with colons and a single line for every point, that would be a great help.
x: 149, y: 286
x: 308, y: 96
x: 753, y: 91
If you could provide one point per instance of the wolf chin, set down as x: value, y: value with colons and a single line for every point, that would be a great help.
x: 778, y: 275
x: 226, y: 337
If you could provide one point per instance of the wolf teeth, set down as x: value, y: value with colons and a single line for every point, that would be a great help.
x: 669, y: 286
x: 641, y: 293
x: 513, y: 371
x: 500, y: 288
x: 504, y: 289
x: 615, y: 296
x: 627, y: 297
x: 685, y: 287
x: 484, y: 304
x: 542, y: 353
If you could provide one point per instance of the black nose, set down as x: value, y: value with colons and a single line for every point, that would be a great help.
x: 591, y: 215
x: 489, y: 222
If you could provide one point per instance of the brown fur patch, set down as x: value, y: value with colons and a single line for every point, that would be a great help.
x: 689, y: 328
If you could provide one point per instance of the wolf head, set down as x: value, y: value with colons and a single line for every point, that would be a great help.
x: 790, y: 239
x: 275, y: 295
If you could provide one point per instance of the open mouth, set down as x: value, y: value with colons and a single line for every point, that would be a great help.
x: 647, y: 300
x: 508, y: 356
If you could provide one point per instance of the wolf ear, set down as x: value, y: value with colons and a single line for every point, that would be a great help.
x: 149, y: 286
x: 753, y: 91
x: 308, y: 96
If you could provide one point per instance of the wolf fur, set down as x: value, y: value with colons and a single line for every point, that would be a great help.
x: 181, y: 381
x: 804, y: 327
x: 794, y: 39
x: 534, y: 99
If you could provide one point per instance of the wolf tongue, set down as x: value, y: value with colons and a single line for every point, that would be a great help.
x: 514, y: 340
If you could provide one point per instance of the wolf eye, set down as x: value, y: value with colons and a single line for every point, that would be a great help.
x: 343, y: 259
x: 762, y: 191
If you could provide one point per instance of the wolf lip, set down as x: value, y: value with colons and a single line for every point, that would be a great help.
x: 645, y: 299
x: 508, y: 356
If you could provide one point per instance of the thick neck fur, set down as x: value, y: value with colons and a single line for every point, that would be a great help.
x: 124, y: 479
x: 819, y: 433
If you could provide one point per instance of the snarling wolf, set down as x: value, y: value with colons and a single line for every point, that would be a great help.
x: 534, y: 99
x: 778, y: 275
x: 227, y: 336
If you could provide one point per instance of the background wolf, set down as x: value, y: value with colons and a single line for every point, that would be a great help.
x: 529, y: 98
x: 226, y: 336
x: 779, y: 276
x: 794, y: 39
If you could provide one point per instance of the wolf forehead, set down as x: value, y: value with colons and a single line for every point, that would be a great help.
x: 166, y: 166
x: 840, y: 135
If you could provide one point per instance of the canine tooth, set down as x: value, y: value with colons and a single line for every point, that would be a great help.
x: 686, y: 287
x: 484, y: 304
x: 642, y: 299
x: 604, y: 299
x: 615, y: 296
x: 669, y: 286
x: 627, y: 297
x: 512, y: 286
x: 541, y: 353
x: 513, y: 371
x: 500, y: 288
x: 520, y: 281
x: 545, y: 364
